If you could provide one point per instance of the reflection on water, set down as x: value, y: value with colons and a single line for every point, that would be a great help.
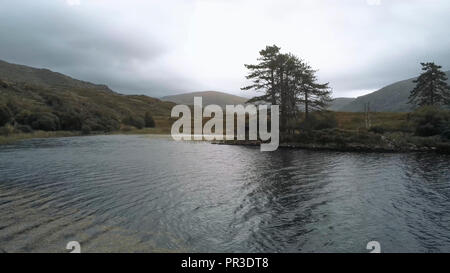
x: 141, y: 194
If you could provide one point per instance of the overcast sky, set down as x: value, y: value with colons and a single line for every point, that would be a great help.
x: 160, y: 47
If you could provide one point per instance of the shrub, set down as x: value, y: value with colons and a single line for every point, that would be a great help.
x: 105, y: 124
x: 445, y: 135
x: 23, y: 117
x: 110, y: 124
x: 45, y: 121
x: 127, y: 128
x: 6, y: 130
x: 4, y: 84
x: 24, y: 128
x: 5, y: 115
x: 52, y: 100
x: 149, y: 122
x: 325, y: 120
x: 14, y: 108
x: 377, y: 130
x: 308, y: 124
x: 70, y: 121
x: 137, y: 122
x: 85, y: 129
x: 319, y: 121
x: 430, y: 120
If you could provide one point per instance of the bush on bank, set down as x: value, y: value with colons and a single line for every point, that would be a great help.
x: 431, y: 121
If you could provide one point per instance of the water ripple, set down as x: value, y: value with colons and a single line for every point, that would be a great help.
x: 141, y: 194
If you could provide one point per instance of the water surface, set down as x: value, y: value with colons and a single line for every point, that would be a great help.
x: 151, y: 194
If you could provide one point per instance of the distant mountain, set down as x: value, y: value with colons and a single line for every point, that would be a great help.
x: 392, y: 98
x: 208, y: 97
x: 338, y: 103
x: 42, y: 77
x: 48, y: 100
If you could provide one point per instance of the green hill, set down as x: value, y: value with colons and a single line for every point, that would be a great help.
x: 208, y: 97
x: 392, y: 98
x: 45, y: 100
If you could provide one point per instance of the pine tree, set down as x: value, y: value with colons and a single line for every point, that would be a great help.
x: 288, y: 81
x: 431, y: 87
x: 314, y: 95
x: 263, y: 74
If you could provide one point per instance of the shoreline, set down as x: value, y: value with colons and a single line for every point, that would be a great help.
x: 387, y: 147
x: 349, y: 147
x: 5, y: 140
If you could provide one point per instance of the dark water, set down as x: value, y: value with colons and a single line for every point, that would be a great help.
x: 143, y: 194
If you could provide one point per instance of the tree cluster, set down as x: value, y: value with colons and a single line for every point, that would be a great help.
x: 287, y: 81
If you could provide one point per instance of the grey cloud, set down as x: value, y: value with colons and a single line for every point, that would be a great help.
x: 47, y: 34
x: 159, y: 48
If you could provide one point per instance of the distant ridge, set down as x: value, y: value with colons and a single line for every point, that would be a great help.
x: 43, y: 77
x: 391, y: 98
x: 338, y: 103
x: 208, y: 97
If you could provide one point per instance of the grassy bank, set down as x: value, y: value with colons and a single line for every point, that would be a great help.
x: 36, y: 134
x: 344, y: 131
x: 53, y: 134
x: 427, y: 129
x: 387, y: 121
x: 162, y: 126
x: 355, y: 141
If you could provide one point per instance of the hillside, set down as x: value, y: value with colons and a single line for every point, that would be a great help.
x: 392, y: 98
x: 46, y: 100
x: 42, y: 77
x: 338, y: 103
x: 209, y: 97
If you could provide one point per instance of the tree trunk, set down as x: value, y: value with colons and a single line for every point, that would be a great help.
x: 306, y: 105
x: 283, y: 110
x: 272, y: 78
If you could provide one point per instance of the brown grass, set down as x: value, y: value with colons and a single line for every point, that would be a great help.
x: 356, y: 120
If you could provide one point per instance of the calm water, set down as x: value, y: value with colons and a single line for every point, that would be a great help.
x: 144, y: 194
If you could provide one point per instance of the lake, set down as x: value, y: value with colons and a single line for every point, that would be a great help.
x: 151, y: 194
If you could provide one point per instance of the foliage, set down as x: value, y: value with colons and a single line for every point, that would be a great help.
x: 6, y: 130
x: 377, y: 129
x: 445, y: 135
x: 137, y: 122
x: 149, y: 121
x: 308, y: 124
x: 338, y: 137
x: 430, y: 121
x: 23, y: 117
x: 24, y: 128
x: 127, y: 128
x: 100, y: 124
x: 431, y: 88
x: 45, y: 100
x: 86, y: 129
x: 287, y: 81
x: 325, y: 120
x: 70, y: 120
x: 45, y: 121
x: 46, y: 109
x: 3, y: 84
x: 5, y: 114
